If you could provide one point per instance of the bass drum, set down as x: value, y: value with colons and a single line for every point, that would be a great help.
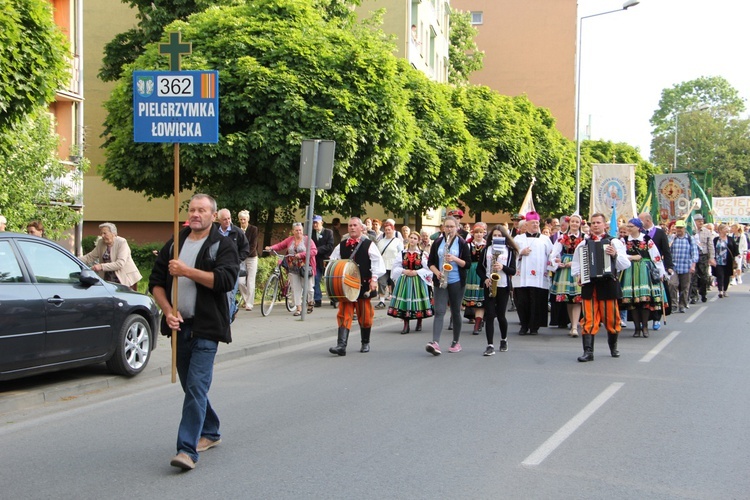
x: 342, y: 280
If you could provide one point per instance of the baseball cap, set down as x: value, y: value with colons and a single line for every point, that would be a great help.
x: 679, y: 223
x: 456, y: 212
x: 518, y: 217
x: 698, y: 217
x: 317, y: 218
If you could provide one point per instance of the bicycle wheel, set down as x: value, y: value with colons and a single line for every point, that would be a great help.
x: 270, y: 294
x: 285, y: 292
x: 288, y: 297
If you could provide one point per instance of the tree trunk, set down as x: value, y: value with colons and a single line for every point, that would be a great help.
x: 268, y: 230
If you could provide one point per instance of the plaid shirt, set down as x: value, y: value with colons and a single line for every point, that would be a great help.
x: 684, y: 253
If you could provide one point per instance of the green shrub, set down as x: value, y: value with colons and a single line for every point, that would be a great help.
x: 88, y: 243
x: 143, y: 255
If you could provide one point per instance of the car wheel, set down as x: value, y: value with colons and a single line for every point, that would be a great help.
x: 133, y: 347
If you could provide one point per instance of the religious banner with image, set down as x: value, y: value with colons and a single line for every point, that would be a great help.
x: 613, y: 186
x: 673, y: 194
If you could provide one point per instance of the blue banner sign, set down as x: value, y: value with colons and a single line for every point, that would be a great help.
x: 176, y: 106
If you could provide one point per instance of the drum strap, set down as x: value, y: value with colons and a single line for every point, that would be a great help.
x: 351, y: 257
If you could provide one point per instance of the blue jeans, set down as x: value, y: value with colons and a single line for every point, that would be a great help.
x: 195, y: 366
x: 232, y: 297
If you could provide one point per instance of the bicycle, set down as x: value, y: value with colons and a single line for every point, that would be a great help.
x: 277, y: 288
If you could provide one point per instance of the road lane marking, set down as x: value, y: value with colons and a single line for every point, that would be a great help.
x: 570, y: 427
x: 695, y: 315
x: 659, y: 347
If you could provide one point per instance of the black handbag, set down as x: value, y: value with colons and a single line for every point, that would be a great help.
x: 654, y: 272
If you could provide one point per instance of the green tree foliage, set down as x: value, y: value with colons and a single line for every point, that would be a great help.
x: 464, y: 57
x: 711, y: 134
x: 611, y: 152
x: 154, y: 15
x: 286, y: 75
x: 522, y: 143
x: 445, y: 160
x: 27, y: 192
x: 33, y: 62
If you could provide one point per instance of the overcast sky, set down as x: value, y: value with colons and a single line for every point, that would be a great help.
x: 629, y: 57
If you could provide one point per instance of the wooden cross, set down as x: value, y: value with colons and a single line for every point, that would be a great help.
x: 175, y: 49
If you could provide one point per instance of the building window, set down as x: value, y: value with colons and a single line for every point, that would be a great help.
x: 477, y: 18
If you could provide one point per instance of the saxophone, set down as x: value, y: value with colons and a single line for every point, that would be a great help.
x: 447, y: 267
x: 498, y: 245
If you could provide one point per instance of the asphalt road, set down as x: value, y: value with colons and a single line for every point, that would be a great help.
x: 668, y: 419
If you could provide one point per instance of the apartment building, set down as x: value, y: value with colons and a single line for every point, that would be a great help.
x: 67, y: 109
x: 421, y: 28
x: 529, y: 48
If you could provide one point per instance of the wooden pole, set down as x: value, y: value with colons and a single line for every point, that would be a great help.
x: 176, y: 246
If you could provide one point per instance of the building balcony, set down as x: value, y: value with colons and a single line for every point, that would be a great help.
x: 68, y: 190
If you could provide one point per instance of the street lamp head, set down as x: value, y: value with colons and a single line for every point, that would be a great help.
x: 630, y: 3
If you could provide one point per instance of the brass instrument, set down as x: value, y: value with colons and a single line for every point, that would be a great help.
x: 447, y: 267
x: 444, y: 275
x: 498, y: 249
x: 495, y: 278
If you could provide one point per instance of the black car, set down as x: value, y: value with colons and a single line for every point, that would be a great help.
x: 56, y: 313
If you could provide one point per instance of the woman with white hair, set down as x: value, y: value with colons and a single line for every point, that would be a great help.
x: 111, y: 258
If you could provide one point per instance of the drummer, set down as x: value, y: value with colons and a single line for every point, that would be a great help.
x: 365, y: 254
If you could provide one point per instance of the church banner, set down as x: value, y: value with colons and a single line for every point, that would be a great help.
x: 673, y: 193
x: 735, y: 209
x: 613, y: 186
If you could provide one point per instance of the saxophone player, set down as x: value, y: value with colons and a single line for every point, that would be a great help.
x: 494, y: 260
x: 449, y: 248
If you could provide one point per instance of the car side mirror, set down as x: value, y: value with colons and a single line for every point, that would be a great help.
x: 88, y: 277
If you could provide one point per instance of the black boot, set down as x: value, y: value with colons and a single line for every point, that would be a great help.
x: 612, y: 341
x: 588, y: 348
x: 340, y: 348
x: 406, y: 327
x: 365, y: 340
x: 418, y: 328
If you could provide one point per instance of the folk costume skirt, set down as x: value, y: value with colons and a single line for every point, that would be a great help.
x: 638, y: 288
x: 474, y: 293
x: 411, y: 299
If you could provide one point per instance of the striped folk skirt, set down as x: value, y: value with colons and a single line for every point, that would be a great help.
x: 411, y: 299
x: 638, y: 289
x: 474, y: 292
x: 564, y: 286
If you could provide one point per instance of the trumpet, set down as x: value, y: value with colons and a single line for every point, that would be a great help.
x: 444, y: 275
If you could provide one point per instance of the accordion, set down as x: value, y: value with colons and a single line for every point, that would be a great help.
x: 595, y: 262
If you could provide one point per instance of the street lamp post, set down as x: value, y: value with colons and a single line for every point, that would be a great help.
x: 677, y: 114
x: 625, y: 6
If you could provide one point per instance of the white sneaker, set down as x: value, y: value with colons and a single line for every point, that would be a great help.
x: 739, y: 280
x: 733, y: 282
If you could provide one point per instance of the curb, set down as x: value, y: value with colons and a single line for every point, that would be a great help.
x: 27, y: 399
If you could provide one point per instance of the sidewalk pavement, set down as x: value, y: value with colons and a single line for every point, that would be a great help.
x: 251, y: 334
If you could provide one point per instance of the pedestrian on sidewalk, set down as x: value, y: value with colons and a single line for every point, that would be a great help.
x: 205, y: 271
